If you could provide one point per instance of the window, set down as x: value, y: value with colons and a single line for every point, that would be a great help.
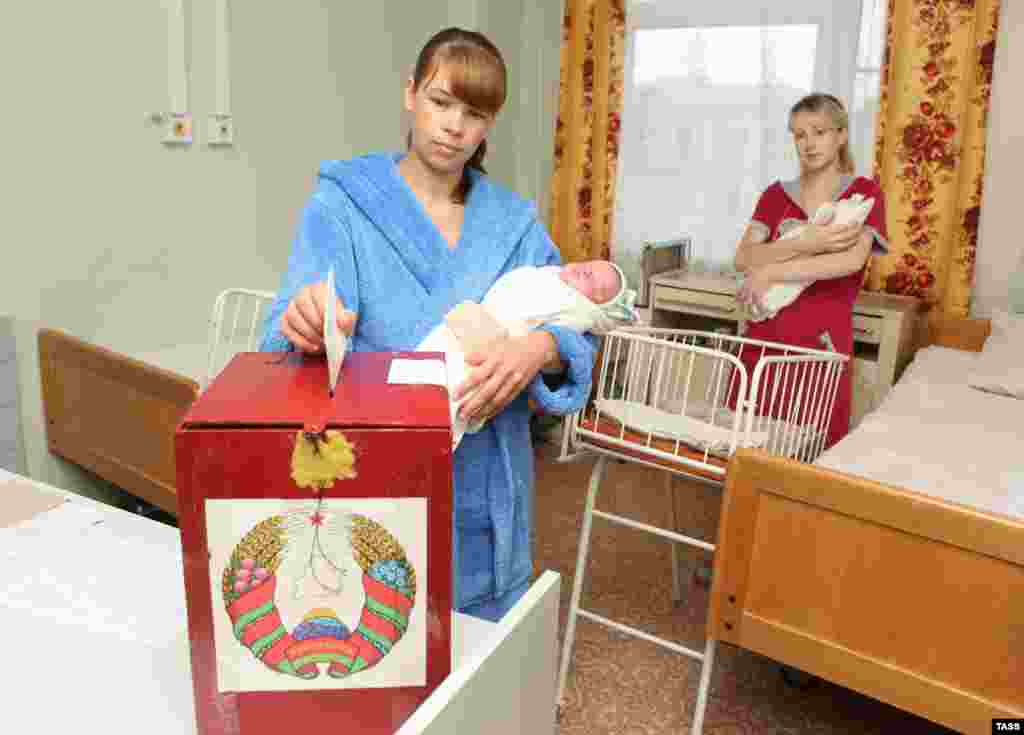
x: 708, y: 89
x: 867, y: 83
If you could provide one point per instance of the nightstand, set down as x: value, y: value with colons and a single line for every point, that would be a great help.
x: 884, y: 326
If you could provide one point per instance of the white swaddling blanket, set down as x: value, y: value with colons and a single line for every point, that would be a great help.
x: 854, y: 210
x: 530, y: 296
x: 520, y: 300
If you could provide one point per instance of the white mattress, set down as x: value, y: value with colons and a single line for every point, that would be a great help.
x: 704, y: 429
x: 936, y: 435
x: 117, y: 639
x: 675, y: 426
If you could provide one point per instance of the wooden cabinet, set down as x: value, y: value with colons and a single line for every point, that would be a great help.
x: 883, y: 327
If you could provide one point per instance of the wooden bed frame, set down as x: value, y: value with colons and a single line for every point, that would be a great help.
x: 908, y: 599
x: 113, y: 415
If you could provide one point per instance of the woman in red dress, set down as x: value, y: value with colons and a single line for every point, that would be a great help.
x: 833, y: 256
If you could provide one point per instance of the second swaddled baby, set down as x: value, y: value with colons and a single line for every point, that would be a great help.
x: 853, y: 210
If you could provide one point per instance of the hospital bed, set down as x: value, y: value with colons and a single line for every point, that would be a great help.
x: 894, y: 566
x: 115, y: 413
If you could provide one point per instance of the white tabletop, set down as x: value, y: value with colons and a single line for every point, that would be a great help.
x: 92, y: 606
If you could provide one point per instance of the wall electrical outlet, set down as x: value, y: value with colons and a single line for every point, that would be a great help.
x: 220, y: 130
x: 178, y: 129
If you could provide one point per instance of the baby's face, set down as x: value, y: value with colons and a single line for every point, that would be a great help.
x: 596, y: 279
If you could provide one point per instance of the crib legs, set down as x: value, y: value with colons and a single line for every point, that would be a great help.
x: 702, y: 690
x: 706, y: 658
x: 577, y: 584
x: 677, y: 575
x: 566, y: 454
x: 677, y: 582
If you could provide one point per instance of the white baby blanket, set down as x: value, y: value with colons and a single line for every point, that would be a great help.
x: 527, y: 297
x: 520, y: 300
x: 854, y: 210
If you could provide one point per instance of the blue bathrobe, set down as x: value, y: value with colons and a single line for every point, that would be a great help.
x: 395, y: 269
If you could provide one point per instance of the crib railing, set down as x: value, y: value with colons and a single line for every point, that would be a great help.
x: 686, y: 396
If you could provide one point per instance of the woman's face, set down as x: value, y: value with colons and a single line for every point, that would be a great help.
x: 445, y: 131
x: 817, y: 140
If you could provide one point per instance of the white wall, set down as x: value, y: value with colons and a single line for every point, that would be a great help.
x: 542, y: 44
x: 529, y: 35
x: 1001, y: 237
x: 11, y: 452
x: 502, y: 22
x: 119, y: 240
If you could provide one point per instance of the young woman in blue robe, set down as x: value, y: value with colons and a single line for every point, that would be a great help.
x: 410, y: 235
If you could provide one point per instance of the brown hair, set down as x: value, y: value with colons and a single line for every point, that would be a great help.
x: 820, y: 102
x: 478, y: 76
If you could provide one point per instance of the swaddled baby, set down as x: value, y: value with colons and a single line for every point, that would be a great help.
x: 591, y: 296
x: 853, y: 210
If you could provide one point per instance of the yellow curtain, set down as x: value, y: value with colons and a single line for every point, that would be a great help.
x: 587, y: 132
x: 930, y: 154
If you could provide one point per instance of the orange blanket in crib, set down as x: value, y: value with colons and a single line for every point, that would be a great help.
x: 612, y: 428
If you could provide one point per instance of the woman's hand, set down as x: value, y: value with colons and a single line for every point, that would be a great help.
x: 302, y: 323
x: 821, y: 239
x: 754, y: 287
x: 501, y: 374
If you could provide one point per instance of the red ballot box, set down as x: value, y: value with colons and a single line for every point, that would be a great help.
x: 317, y: 540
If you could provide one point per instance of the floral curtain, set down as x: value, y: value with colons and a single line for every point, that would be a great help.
x: 587, y: 131
x: 930, y: 154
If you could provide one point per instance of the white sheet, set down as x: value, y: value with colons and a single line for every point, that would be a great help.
x: 417, y: 372
x: 92, y: 600
x: 936, y: 435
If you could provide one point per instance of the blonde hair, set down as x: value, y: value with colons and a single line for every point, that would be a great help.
x: 820, y: 102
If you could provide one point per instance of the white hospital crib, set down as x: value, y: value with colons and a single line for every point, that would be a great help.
x: 679, y: 400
